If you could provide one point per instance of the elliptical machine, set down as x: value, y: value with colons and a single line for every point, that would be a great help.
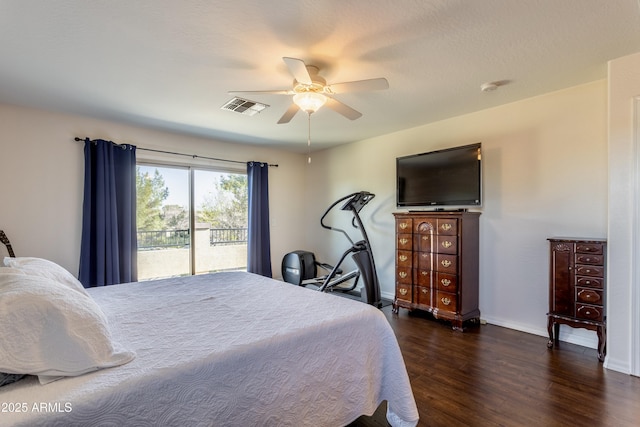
x: 301, y: 268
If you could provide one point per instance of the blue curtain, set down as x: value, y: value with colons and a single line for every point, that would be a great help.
x: 259, y: 242
x: 109, y: 245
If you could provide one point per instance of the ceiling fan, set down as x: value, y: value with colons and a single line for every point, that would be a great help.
x: 310, y: 91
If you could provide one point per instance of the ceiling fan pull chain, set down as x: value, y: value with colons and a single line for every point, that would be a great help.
x: 309, y: 140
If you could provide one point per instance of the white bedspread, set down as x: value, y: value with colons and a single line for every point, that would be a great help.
x: 228, y: 349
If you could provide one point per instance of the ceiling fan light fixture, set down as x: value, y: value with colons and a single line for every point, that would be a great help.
x: 309, y: 102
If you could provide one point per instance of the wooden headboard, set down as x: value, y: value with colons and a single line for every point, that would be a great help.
x: 4, y: 239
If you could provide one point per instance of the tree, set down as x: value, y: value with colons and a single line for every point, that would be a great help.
x: 150, y: 193
x: 227, y: 207
x: 175, y: 217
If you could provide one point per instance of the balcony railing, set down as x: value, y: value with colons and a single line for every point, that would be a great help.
x: 163, y: 239
x: 227, y: 236
x: 159, y: 239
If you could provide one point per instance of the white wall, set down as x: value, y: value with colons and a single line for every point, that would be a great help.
x: 623, y: 346
x: 41, y: 171
x: 545, y: 174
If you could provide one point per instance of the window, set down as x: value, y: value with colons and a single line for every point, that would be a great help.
x: 190, y: 221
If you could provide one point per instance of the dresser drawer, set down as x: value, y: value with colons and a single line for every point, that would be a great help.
x: 423, y: 260
x: 446, y: 263
x: 404, y: 225
x: 589, y: 312
x: 590, y: 282
x: 589, y: 248
x: 590, y: 259
x: 447, y: 282
x: 423, y: 242
x: 446, y: 301
x: 404, y: 259
x: 404, y: 242
x: 424, y: 277
x: 403, y: 292
x: 403, y: 275
x: 589, y: 270
x: 447, y: 227
x: 423, y: 295
x: 589, y: 296
x: 447, y: 244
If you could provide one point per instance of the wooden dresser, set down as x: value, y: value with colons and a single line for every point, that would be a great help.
x: 577, y: 288
x: 437, y: 264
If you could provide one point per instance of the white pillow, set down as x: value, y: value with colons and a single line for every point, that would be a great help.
x: 48, y: 329
x: 45, y: 268
x: 9, y: 270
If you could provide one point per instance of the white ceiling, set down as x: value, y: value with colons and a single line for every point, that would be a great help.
x: 170, y: 63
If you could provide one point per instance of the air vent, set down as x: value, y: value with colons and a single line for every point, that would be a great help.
x: 244, y: 106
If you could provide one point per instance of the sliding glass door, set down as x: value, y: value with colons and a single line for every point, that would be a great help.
x: 220, y: 201
x: 190, y: 221
x: 163, y: 218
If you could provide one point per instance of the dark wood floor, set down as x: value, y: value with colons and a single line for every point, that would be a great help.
x: 494, y: 376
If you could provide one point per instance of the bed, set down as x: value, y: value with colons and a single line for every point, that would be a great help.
x: 232, y: 349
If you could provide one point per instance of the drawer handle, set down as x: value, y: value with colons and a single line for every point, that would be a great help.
x: 403, y: 225
x: 587, y: 271
x: 404, y: 241
x: 445, y: 282
x: 447, y: 244
x: 445, y: 301
x: 425, y: 255
x: 587, y: 259
x: 403, y: 291
x: 402, y: 275
x: 445, y: 263
x: 589, y: 312
x: 424, y: 273
x: 425, y: 237
x: 588, y: 296
x: 446, y: 227
x: 424, y: 291
x: 587, y: 282
x: 403, y: 258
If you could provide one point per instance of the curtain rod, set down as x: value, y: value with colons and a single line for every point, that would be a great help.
x: 194, y: 156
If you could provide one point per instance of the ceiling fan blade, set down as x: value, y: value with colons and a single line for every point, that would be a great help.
x: 360, y: 85
x: 343, y: 109
x: 298, y: 70
x: 268, y: 92
x: 288, y: 115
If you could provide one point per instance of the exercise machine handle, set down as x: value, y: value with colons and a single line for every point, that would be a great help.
x: 355, y: 203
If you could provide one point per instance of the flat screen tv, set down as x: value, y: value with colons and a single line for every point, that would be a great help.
x: 449, y: 178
